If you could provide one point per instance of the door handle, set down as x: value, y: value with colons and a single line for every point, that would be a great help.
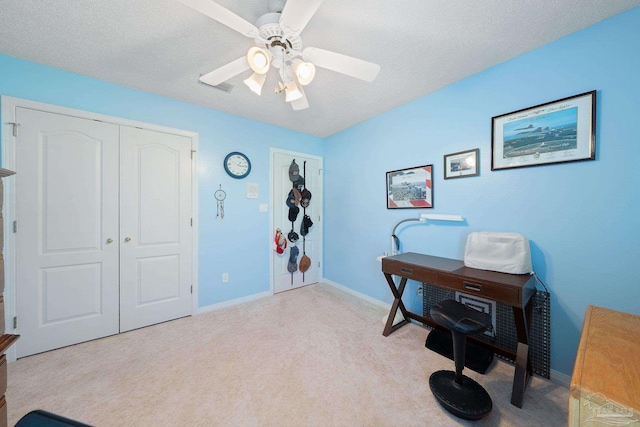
x: 109, y: 240
x: 127, y: 239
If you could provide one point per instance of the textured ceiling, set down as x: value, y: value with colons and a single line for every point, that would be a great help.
x: 162, y: 46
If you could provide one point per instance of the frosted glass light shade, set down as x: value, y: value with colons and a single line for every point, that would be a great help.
x: 259, y: 59
x: 255, y: 82
x: 305, y: 71
x: 293, y: 92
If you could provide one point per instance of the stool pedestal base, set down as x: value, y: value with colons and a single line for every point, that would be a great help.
x: 467, y: 400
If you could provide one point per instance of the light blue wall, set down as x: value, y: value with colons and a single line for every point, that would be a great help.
x: 582, y: 218
x: 237, y: 244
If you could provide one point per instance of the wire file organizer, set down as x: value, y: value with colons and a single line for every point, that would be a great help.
x: 504, y: 334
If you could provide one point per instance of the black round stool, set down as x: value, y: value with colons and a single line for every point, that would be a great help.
x: 457, y: 393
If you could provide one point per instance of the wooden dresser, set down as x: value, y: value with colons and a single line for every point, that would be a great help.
x: 605, y: 386
x: 6, y: 340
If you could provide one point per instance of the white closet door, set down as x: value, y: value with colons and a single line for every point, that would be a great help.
x: 155, y: 227
x: 283, y: 280
x: 67, y: 239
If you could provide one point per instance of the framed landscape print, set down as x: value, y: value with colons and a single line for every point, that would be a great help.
x: 462, y: 164
x: 556, y: 132
x: 410, y: 188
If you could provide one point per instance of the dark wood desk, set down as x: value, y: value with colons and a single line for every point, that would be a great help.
x: 515, y: 290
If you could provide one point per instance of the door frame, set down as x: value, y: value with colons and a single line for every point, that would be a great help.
x: 319, y: 224
x: 8, y: 107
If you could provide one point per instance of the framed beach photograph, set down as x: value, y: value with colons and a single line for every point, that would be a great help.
x: 556, y: 132
x: 462, y: 164
x: 410, y: 188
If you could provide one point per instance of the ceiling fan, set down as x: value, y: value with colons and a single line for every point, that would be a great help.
x: 278, y: 44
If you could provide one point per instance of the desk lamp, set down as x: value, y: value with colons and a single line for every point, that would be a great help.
x: 395, y: 242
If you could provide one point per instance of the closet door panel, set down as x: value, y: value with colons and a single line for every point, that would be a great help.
x: 155, y: 225
x: 67, y: 211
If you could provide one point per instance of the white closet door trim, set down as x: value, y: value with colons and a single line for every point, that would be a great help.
x: 8, y: 107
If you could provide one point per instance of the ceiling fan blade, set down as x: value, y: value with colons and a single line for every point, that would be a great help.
x: 225, y: 72
x: 296, y: 14
x: 300, y: 103
x: 344, y: 64
x: 223, y: 15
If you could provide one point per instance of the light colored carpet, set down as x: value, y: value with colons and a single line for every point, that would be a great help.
x: 314, y: 356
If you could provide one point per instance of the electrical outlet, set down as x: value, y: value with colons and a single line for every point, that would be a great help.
x: 225, y: 277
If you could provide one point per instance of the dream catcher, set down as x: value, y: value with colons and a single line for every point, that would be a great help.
x: 220, y: 195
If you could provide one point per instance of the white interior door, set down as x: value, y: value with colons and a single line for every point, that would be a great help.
x: 283, y: 280
x: 155, y: 227
x: 67, y: 240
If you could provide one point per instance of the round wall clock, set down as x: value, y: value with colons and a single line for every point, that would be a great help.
x: 237, y: 165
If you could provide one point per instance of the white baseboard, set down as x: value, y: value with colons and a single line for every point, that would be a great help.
x: 360, y: 295
x: 231, y: 303
x: 556, y: 377
x: 367, y: 298
x: 560, y: 379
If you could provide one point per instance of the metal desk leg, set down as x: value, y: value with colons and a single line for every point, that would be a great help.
x: 397, y: 303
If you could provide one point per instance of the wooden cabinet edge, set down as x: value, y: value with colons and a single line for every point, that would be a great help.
x: 7, y: 341
x: 576, y: 378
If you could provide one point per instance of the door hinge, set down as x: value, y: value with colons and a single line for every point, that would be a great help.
x: 192, y: 151
x: 15, y: 226
x: 192, y: 222
x: 318, y: 264
x: 191, y: 288
x: 15, y: 322
x: 15, y: 127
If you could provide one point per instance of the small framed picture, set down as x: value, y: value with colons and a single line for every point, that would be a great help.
x: 410, y: 188
x: 556, y: 132
x: 462, y: 164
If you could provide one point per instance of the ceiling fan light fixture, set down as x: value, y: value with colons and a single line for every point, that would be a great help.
x: 255, y: 82
x: 259, y: 59
x: 278, y: 44
x: 305, y: 71
x: 292, y: 91
x: 302, y: 103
